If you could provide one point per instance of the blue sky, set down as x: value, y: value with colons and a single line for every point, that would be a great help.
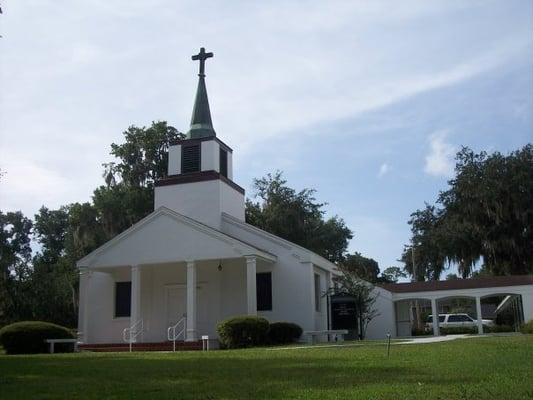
x: 364, y: 101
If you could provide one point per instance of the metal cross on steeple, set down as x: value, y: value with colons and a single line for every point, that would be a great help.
x: 202, y: 56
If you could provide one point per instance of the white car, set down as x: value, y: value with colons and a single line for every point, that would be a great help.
x: 457, y: 321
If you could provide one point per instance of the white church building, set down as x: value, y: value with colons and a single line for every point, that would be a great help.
x: 194, y: 258
x: 194, y: 261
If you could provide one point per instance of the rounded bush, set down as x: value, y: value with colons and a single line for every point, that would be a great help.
x: 245, y: 331
x: 284, y: 332
x: 29, y: 337
x: 498, y: 328
x: 458, y: 330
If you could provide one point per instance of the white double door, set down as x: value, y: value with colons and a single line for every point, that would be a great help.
x: 176, y: 306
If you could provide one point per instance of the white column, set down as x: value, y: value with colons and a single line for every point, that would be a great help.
x: 435, y: 313
x: 251, y: 285
x: 86, y: 275
x: 479, y: 316
x: 135, y: 296
x: 191, y: 302
x: 328, y: 304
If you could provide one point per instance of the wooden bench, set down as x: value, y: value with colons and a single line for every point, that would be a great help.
x: 333, y: 335
x: 52, y: 343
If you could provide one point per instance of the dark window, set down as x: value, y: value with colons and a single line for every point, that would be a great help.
x: 441, y: 318
x: 190, y: 158
x: 455, y: 318
x: 122, y: 299
x: 223, y: 163
x: 317, y: 292
x: 264, y: 291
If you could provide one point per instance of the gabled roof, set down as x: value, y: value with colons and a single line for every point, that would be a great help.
x: 308, y: 255
x: 233, y: 244
x: 455, y: 284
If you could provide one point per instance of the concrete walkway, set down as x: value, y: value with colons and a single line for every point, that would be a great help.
x: 394, y: 342
x: 434, y: 339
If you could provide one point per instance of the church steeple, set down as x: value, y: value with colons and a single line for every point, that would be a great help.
x: 201, y: 124
x: 200, y: 168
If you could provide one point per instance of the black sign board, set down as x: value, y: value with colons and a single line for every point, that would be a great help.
x: 343, y: 313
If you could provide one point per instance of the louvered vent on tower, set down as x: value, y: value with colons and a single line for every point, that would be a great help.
x: 223, y: 163
x: 190, y: 158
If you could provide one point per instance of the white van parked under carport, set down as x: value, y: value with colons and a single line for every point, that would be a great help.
x: 456, y: 321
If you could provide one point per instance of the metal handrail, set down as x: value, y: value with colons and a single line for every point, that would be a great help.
x: 131, y: 333
x: 172, y: 335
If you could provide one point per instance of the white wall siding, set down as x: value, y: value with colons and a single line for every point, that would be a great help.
x: 174, y: 160
x: 202, y: 201
x: 231, y: 202
x: 198, y: 200
x: 210, y: 156
x: 292, y: 281
x: 103, y: 326
x: 385, y: 322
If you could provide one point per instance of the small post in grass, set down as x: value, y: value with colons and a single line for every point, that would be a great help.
x: 388, y: 345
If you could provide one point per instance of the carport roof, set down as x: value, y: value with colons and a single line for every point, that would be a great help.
x: 454, y: 284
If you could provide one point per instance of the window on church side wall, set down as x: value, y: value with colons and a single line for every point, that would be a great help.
x: 190, y: 158
x: 317, y: 292
x: 264, y: 291
x: 122, y: 299
x: 223, y: 163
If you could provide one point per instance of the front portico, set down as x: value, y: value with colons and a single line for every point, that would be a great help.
x: 191, y: 271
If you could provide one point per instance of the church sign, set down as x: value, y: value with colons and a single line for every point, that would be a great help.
x: 343, y: 313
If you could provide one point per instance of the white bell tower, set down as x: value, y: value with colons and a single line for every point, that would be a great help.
x: 200, y: 168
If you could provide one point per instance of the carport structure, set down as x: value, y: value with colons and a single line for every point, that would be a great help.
x: 516, y: 289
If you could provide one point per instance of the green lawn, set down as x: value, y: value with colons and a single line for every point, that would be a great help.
x: 478, y: 368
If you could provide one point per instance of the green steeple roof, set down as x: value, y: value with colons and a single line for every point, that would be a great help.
x: 201, y: 124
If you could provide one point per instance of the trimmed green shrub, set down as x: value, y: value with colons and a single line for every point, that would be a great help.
x: 527, y: 327
x: 457, y: 330
x: 245, y: 331
x: 498, y: 328
x: 284, y: 332
x: 29, y: 337
x: 421, y: 332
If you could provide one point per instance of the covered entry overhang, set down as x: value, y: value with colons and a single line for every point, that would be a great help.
x: 511, y: 289
x: 166, y: 242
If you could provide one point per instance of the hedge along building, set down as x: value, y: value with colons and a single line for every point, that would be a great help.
x: 194, y: 261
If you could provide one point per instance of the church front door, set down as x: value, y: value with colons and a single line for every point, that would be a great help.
x: 176, y: 304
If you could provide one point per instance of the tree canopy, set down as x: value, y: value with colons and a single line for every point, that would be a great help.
x: 44, y: 284
x: 297, y: 217
x: 360, y: 266
x: 484, y: 218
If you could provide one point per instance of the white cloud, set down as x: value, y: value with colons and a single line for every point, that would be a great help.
x: 440, y: 160
x: 75, y: 74
x: 383, y: 169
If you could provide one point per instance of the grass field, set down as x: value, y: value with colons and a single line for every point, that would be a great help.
x: 477, y: 368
